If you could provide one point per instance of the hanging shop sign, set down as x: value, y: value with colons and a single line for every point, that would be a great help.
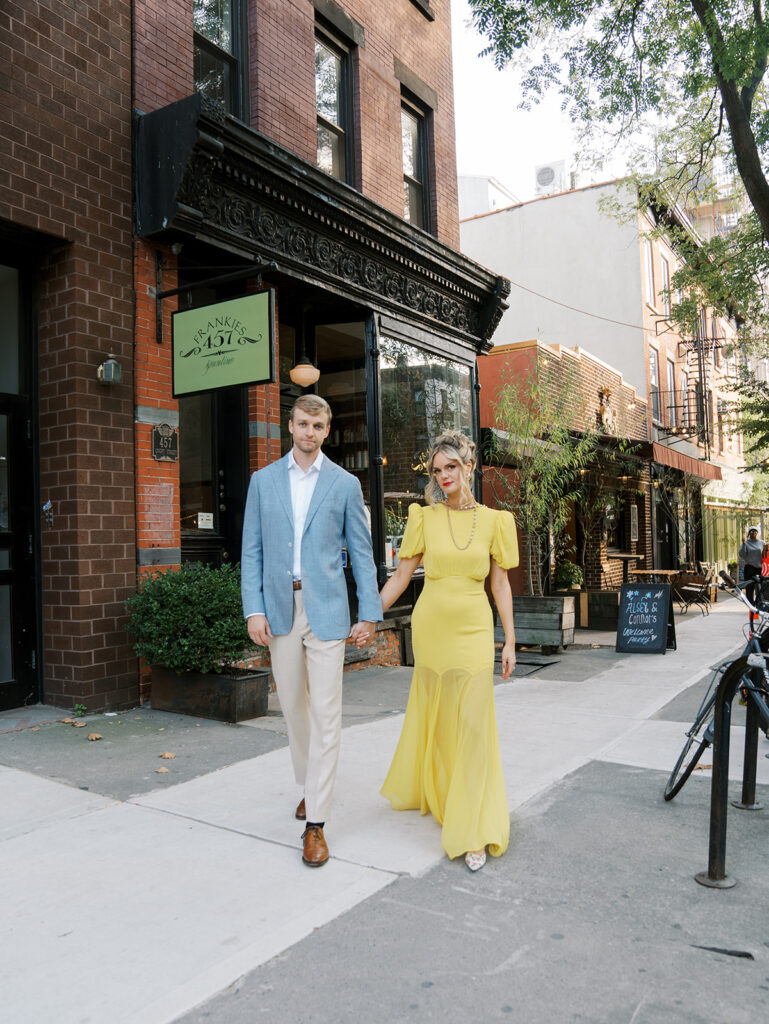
x: 225, y: 344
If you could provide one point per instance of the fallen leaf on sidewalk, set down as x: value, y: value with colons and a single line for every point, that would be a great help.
x: 35, y: 728
x: 167, y: 755
x: 94, y: 736
x: 80, y: 725
x: 67, y: 721
x: 160, y: 771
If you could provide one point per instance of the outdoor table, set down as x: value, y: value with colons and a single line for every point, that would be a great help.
x: 626, y: 560
x: 670, y: 576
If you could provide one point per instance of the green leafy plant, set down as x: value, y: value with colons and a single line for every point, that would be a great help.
x: 568, y: 576
x: 79, y: 710
x: 190, y: 619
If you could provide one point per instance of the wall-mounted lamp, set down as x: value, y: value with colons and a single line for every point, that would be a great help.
x: 109, y: 371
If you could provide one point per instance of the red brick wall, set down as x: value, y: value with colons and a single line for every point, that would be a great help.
x: 66, y: 115
x: 282, y: 85
x: 588, y: 376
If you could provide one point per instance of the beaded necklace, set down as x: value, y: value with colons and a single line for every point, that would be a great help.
x: 472, y: 531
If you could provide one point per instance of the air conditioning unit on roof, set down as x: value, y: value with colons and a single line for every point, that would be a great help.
x: 551, y: 178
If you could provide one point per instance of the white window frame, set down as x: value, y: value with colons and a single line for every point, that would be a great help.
x: 649, y: 270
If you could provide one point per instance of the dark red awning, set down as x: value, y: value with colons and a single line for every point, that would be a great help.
x: 697, y: 467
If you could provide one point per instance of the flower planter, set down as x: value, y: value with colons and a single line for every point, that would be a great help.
x: 224, y: 698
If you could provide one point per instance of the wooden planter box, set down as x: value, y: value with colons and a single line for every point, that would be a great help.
x: 544, y: 620
x: 234, y: 698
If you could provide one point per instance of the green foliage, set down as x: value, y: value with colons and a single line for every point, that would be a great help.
x: 190, y: 619
x: 533, y: 415
x: 568, y: 575
x: 685, y: 82
x: 80, y: 710
x: 754, y: 395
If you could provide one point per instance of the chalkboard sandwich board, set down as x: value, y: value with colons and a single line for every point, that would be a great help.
x: 645, y: 623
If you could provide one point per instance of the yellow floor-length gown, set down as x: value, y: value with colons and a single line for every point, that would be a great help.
x: 448, y: 760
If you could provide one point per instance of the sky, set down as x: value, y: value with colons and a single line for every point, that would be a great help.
x: 494, y: 138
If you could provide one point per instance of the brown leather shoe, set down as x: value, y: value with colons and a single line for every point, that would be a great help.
x: 301, y: 814
x: 315, y: 850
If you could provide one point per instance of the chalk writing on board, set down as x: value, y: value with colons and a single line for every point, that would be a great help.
x: 644, y: 619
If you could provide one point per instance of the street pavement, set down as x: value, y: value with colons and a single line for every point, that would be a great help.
x: 133, y: 895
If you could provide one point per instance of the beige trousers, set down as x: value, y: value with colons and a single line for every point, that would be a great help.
x: 308, y: 676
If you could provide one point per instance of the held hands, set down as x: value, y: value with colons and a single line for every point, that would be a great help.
x: 259, y: 630
x: 508, y: 660
x: 361, y: 633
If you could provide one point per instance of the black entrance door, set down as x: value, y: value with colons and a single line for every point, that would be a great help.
x: 18, y: 514
x: 213, y: 474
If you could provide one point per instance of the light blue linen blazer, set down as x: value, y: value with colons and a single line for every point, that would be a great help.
x: 336, y: 518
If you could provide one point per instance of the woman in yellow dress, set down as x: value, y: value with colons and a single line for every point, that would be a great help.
x: 448, y: 760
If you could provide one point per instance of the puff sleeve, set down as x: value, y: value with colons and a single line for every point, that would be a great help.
x: 413, y: 542
x: 504, y: 542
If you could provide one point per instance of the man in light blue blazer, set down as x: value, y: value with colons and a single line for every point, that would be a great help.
x: 300, y: 513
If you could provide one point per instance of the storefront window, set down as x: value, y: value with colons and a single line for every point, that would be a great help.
x: 423, y: 395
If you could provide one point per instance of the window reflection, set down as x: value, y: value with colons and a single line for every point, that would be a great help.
x: 196, y: 438
x: 423, y: 395
x: 4, y: 495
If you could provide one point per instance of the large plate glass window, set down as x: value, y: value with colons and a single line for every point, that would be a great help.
x: 416, y: 179
x: 333, y: 103
x: 218, y: 55
x: 422, y: 395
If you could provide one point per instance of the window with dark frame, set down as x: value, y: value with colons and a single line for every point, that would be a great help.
x: 218, y: 60
x: 333, y: 104
x: 654, y: 378
x: 416, y: 181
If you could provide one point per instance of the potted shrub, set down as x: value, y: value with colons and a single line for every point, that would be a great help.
x: 188, y: 626
x: 568, y: 576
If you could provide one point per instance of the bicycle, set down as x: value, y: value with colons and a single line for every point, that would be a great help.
x: 701, y: 731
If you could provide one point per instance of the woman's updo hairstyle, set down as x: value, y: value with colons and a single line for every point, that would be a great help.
x: 454, y: 446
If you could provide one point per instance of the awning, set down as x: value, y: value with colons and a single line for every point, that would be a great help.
x: 697, y: 467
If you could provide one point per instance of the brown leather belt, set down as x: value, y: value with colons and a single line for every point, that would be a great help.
x: 297, y: 584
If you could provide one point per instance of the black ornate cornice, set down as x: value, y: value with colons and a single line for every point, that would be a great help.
x: 202, y: 173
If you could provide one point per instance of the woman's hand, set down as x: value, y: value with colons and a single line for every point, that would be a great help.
x: 508, y: 660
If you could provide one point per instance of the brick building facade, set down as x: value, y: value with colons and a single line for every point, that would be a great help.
x: 210, y: 151
x: 65, y: 224
x: 601, y: 402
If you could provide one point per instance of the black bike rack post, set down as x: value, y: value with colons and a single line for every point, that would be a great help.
x: 715, y: 877
x: 757, y: 717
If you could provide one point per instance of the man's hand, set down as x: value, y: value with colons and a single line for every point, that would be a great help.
x: 362, y: 632
x: 259, y: 630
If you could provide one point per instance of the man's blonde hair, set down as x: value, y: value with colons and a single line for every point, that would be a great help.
x: 313, y: 405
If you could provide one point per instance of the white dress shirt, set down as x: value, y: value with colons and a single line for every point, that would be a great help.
x: 302, y: 488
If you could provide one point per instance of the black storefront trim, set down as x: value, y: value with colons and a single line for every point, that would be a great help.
x: 200, y: 173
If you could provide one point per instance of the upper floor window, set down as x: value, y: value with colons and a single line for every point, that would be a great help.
x: 685, y: 399
x: 654, y: 380
x: 665, y: 285
x: 671, y: 393
x: 218, y: 58
x: 333, y: 104
x: 416, y: 181
x: 649, y: 262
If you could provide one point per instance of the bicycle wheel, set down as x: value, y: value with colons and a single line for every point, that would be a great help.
x: 700, y: 736
x: 682, y: 771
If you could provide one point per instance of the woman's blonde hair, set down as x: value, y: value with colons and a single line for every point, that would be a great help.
x: 456, y: 446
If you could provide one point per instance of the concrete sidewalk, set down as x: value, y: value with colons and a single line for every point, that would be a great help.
x: 135, y: 896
